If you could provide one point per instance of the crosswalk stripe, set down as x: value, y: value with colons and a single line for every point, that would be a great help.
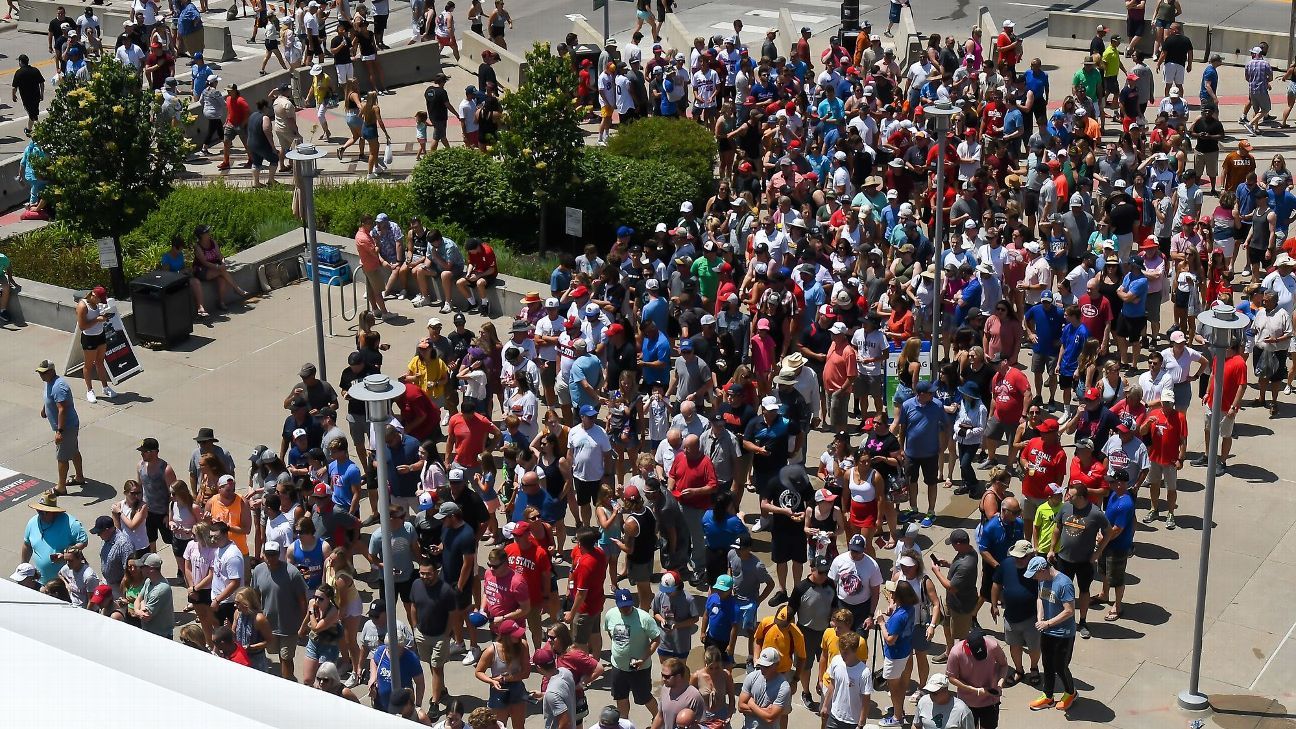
x: 796, y: 17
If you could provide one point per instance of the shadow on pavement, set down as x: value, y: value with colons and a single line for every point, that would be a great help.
x: 1147, y: 550
x: 1252, y: 473
x: 1146, y: 613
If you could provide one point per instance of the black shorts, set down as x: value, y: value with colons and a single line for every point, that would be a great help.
x: 1110, y: 87
x: 1082, y: 573
x: 156, y: 524
x: 586, y: 491
x: 987, y: 581
x: 926, y: 465
x: 201, y: 597
x: 465, y: 598
x: 1130, y: 327
x: 987, y: 717
x: 403, y: 589
x: 813, y: 643
x: 1256, y: 256
x: 225, y: 613
x: 1068, y: 382
x: 1180, y: 298
x: 625, y: 683
x: 91, y: 342
x: 787, y: 546
x: 1030, y: 200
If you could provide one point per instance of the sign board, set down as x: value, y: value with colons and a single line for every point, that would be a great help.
x: 600, y: 4
x: 574, y: 222
x: 120, y: 356
x: 893, y: 361
x: 107, y: 253
x: 17, y: 487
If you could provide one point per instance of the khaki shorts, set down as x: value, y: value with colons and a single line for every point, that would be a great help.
x: 1159, y: 474
x: 287, y: 647
x: 1226, y: 426
x: 960, y: 624
x: 1204, y: 161
x: 583, y: 628
x: 434, y: 650
x: 375, y: 280
x: 1029, y: 507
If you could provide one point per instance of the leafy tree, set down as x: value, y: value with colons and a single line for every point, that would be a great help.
x: 540, y: 138
x: 110, y: 161
x: 683, y: 144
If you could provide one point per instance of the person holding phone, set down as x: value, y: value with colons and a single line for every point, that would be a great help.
x: 977, y: 669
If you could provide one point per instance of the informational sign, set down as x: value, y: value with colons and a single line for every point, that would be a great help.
x: 107, y: 253
x: 574, y: 222
x: 18, y: 487
x: 893, y: 362
x: 119, y: 355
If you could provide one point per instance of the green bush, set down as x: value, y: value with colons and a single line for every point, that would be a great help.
x: 338, y: 207
x: 237, y: 216
x: 680, y: 143
x: 466, y: 187
x: 622, y: 191
x: 56, y: 255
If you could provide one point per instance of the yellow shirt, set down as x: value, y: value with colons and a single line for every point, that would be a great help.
x: 1111, y: 59
x: 1045, y: 523
x: 829, y: 649
x: 320, y: 86
x: 431, y: 378
x: 789, y: 641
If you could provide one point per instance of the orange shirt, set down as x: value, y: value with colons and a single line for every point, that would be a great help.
x: 232, y: 515
x: 367, y: 250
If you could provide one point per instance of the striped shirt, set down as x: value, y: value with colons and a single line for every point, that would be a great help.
x: 1258, y: 74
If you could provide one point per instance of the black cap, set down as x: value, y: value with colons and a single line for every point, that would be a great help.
x: 354, y: 358
x: 744, y: 541
x: 822, y: 564
x: 299, y: 402
x: 976, y: 644
x: 377, y: 607
x: 958, y: 536
x: 327, y: 412
x: 1120, y: 474
x: 102, y: 523
x: 148, y: 444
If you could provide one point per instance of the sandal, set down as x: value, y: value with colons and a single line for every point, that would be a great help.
x: 1112, y: 616
x: 1013, y: 678
x: 1033, y: 678
x: 1097, y: 600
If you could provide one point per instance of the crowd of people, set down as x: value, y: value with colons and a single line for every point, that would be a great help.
x: 634, y: 464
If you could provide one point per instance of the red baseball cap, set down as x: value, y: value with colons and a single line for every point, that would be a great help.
x: 1048, y: 426
x: 579, y: 291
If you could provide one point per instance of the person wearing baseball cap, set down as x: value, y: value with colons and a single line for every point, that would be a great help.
x: 1013, y: 594
x: 1043, y: 462
x: 632, y: 652
x: 1057, y: 626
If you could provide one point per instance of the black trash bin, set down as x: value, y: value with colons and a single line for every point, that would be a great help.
x: 162, y: 307
x: 585, y: 51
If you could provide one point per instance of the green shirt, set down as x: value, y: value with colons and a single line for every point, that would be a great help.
x: 1091, y: 81
x: 631, y: 636
x: 1045, y: 523
x: 708, y: 282
x: 1111, y: 59
x: 4, y: 263
x: 157, y: 600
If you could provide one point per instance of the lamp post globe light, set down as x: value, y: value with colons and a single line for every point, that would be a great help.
x: 305, y: 157
x: 938, y: 117
x: 377, y: 393
x: 1221, y: 323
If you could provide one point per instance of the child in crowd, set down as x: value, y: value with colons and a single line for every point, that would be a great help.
x: 420, y: 133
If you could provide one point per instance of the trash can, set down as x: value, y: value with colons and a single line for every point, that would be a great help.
x: 585, y: 51
x: 162, y: 307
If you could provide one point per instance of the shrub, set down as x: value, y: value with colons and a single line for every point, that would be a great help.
x: 57, y: 255
x: 680, y: 143
x: 238, y: 217
x: 621, y: 191
x: 466, y: 187
x: 338, y: 207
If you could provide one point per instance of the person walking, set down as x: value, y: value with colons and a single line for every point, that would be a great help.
x: 1055, y: 620
x: 93, y: 315
x: 1015, y: 594
x: 59, y: 409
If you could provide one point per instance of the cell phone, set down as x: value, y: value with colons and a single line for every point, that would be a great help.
x: 934, y: 559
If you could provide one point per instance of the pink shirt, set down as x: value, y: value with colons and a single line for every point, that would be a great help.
x: 367, y: 250
x: 762, y: 353
x: 504, y: 595
x: 984, y: 673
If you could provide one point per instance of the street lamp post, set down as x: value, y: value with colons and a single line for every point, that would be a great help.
x: 305, y: 155
x: 1220, y: 321
x: 377, y: 392
x: 939, y: 113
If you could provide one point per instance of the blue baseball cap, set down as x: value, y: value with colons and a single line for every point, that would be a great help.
x: 686, y: 345
x: 1046, y: 295
x: 197, y: 56
x: 924, y: 386
x: 588, y: 411
x: 625, y: 231
x: 624, y: 598
x: 1036, y: 564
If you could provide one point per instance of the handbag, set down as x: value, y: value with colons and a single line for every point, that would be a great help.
x: 1269, y: 366
x: 387, y: 154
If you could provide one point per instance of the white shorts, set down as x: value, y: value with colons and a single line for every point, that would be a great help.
x: 1173, y: 73
x: 1225, y: 245
x: 894, y: 667
x: 1167, y: 475
x: 345, y: 72
x: 371, y: 57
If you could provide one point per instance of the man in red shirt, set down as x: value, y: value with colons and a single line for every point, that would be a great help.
x: 1235, y: 381
x: 589, y: 570
x: 693, y: 483
x: 479, y: 275
x: 1010, y: 48
x: 1165, y: 430
x: 505, y: 595
x: 1088, y: 472
x: 529, y: 559
x: 1009, y: 389
x: 1095, y: 313
x: 1042, y: 462
x: 466, y: 435
x: 420, y: 416
x: 840, y: 370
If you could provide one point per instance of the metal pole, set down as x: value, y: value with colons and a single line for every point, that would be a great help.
x: 1193, y: 699
x: 938, y: 244
x: 607, y: 21
x: 308, y: 208
x: 389, y: 579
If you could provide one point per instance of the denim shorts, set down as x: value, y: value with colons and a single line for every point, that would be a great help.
x: 319, y: 651
x: 513, y: 693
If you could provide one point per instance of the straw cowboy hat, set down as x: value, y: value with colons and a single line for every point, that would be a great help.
x: 48, y: 501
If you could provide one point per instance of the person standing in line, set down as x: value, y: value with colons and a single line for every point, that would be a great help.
x: 766, y: 696
x: 59, y: 409
x: 1079, y: 537
x: 1055, y: 620
x: 677, y: 696
x: 558, y: 702
x: 635, y: 638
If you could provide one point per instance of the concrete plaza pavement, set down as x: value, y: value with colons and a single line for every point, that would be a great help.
x: 233, y: 373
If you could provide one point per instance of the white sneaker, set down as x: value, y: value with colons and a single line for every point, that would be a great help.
x: 110, y: 393
x: 419, y: 300
x: 90, y: 396
x: 471, y: 656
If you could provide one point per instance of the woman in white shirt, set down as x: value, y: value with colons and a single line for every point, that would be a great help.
x: 1273, y: 333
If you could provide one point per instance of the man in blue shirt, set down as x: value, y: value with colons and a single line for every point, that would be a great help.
x: 1074, y: 335
x: 1120, y: 513
x: 921, y: 422
x: 654, y: 356
x: 585, y: 377
x: 655, y: 310
x: 999, y: 534
x: 1036, y: 81
x: 59, y: 408
x: 560, y: 279
x: 1209, y: 93
x: 380, y: 681
x: 1132, y: 321
x: 344, y: 478
x: 1057, y: 627
x: 831, y: 107
x: 1283, y: 203
x: 1044, y: 331
x: 1014, y: 126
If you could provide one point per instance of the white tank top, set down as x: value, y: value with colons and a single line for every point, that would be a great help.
x: 96, y: 328
x: 862, y: 492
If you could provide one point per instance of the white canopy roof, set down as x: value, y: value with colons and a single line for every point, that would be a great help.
x: 73, y: 668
